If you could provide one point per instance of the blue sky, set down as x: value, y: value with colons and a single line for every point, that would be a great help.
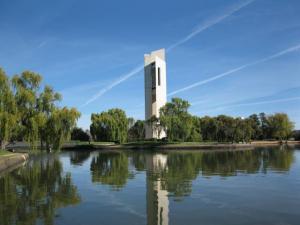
x: 234, y: 57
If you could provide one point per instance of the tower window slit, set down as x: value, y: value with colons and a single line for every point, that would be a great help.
x: 153, y: 76
x: 158, y: 72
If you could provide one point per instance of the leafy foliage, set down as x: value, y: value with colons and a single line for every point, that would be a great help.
x: 78, y: 134
x: 296, y: 135
x: 280, y: 126
x: 8, y: 117
x: 59, y: 126
x: 177, y: 122
x: 110, y: 126
x: 180, y: 125
x: 32, y: 115
x: 137, y: 131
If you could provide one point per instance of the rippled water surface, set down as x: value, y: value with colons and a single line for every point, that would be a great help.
x: 259, y: 186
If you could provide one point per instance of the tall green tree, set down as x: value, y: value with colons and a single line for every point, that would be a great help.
x: 30, y: 114
x: 110, y: 126
x: 195, y: 130
x: 39, y: 117
x: 8, y: 117
x: 177, y: 122
x: 137, y: 131
x: 226, y: 128
x: 209, y: 128
x: 26, y: 87
x: 265, y: 128
x: 256, y: 127
x: 281, y: 126
x: 60, y: 125
x: 46, y: 105
x: 243, y: 130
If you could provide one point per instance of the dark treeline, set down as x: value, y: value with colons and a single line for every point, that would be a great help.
x: 80, y: 135
x: 296, y: 135
x: 180, y: 125
x: 31, y: 113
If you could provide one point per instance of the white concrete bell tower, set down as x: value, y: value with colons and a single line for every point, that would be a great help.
x: 155, y: 89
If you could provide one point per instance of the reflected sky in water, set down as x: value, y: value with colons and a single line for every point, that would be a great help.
x: 155, y: 188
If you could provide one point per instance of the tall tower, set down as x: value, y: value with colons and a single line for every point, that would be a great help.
x: 155, y: 89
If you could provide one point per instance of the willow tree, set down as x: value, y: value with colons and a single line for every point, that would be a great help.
x: 7, y: 110
x: 281, y: 126
x: 178, y: 123
x: 110, y: 126
x: 46, y: 105
x: 26, y: 87
x: 31, y: 114
x: 59, y: 126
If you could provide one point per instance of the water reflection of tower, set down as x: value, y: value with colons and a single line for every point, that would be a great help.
x: 157, y: 198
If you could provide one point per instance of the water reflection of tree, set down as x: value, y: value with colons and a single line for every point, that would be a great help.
x: 278, y: 159
x: 79, y: 157
x: 183, y: 167
x: 229, y: 163
x: 35, y: 192
x: 110, y: 168
x: 181, y: 170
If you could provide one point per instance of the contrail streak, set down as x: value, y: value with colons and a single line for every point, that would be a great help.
x: 200, y: 28
x: 254, y: 103
x: 112, y: 85
x: 264, y: 102
x: 284, y: 52
x: 209, y: 23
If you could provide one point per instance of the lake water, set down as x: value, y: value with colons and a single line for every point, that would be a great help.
x: 259, y: 186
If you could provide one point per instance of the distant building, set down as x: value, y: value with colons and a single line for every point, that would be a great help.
x: 155, y: 89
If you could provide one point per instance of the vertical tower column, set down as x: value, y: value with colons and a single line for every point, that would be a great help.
x: 155, y: 90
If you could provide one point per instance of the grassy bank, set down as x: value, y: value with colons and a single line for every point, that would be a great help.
x: 172, y: 145
x: 5, y: 153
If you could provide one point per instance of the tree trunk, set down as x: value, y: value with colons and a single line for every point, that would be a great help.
x: 41, y: 144
x: 3, y: 145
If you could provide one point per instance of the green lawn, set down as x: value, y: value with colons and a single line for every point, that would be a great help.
x: 169, y: 143
x: 92, y: 143
x: 145, y: 142
x: 138, y: 144
x: 3, y: 153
